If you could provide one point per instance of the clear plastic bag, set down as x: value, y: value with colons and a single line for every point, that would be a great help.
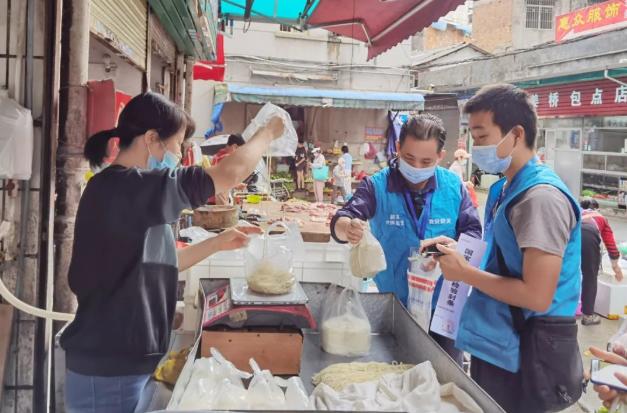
x: 618, y: 342
x: 269, y: 262
x: 422, y: 276
x: 286, y: 144
x: 345, y: 328
x: 16, y: 140
x: 215, y: 383
x: 296, y: 397
x: 367, y: 258
x: 264, y: 392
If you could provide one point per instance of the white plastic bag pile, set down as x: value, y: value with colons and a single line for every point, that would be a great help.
x: 367, y: 258
x: 286, y: 144
x: 416, y: 390
x: 216, y: 384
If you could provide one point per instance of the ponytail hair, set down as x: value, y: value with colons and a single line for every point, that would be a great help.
x: 148, y: 111
x: 96, y: 147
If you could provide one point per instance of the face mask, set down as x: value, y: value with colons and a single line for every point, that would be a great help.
x: 415, y: 175
x: 169, y: 161
x: 486, y: 158
x: 463, y: 162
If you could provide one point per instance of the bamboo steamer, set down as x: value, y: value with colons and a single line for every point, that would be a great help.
x: 212, y: 217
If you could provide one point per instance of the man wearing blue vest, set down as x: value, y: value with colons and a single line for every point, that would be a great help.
x: 533, y: 231
x: 411, y: 200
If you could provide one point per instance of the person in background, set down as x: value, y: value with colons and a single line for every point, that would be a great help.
x: 458, y: 167
x: 533, y: 261
x: 348, y: 165
x: 301, y: 165
x: 235, y: 141
x: 319, y: 162
x: 339, y: 176
x: 411, y: 200
x: 125, y: 266
x: 595, y: 227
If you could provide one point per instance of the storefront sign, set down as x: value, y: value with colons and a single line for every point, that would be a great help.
x: 593, y: 19
x: 374, y: 134
x: 595, y: 98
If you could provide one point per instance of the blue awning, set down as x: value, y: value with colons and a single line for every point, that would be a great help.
x: 337, y: 98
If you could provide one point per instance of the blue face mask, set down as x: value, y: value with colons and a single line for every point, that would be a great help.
x: 487, y: 159
x: 415, y: 175
x: 169, y: 161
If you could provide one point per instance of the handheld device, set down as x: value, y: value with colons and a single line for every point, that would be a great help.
x: 603, y: 374
x: 432, y: 251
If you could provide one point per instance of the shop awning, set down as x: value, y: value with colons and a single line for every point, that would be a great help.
x: 287, y: 11
x: 192, y: 25
x: 353, y: 99
x: 381, y: 24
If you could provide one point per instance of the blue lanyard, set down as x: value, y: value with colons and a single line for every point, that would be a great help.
x: 421, y: 221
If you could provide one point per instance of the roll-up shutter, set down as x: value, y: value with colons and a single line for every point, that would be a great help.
x: 122, y: 24
x: 162, y: 43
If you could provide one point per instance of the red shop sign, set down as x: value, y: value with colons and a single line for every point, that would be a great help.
x: 601, y: 17
x: 595, y: 98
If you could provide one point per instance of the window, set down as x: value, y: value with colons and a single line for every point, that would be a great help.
x: 540, y: 14
x: 285, y: 28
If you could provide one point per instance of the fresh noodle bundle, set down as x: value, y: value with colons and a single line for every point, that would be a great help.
x: 270, y: 279
x: 338, y: 376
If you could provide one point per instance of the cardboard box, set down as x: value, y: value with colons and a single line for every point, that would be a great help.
x: 274, y: 350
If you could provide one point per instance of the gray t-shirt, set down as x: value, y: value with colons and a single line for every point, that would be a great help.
x: 543, y: 218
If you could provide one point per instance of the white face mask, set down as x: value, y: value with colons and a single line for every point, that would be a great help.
x: 415, y: 175
x: 487, y: 159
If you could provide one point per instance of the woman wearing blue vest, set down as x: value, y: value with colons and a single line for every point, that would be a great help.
x: 411, y: 200
x: 533, y: 230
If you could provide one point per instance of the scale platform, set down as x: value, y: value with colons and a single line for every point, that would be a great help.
x: 241, y: 295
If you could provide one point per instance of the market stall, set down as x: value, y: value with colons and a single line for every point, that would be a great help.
x: 395, y: 337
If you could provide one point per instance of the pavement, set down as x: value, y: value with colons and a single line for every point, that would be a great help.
x: 588, y: 335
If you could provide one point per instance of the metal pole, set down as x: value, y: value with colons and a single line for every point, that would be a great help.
x: 189, y: 80
x: 71, y: 166
x: 180, y: 78
x: 25, y: 189
x: 43, y: 395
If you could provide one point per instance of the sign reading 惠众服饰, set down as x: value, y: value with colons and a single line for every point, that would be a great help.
x: 589, y: 98
x: 593, y: 19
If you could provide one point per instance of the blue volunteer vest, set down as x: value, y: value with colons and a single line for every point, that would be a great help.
x: 397, y: 231
x: 486, y: 330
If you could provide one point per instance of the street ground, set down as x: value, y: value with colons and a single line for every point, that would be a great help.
x: 588, y: 335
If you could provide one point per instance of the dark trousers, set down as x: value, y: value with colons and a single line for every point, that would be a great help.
x: 590, y: 264
x: 448, y: 345
x: 503, y: 386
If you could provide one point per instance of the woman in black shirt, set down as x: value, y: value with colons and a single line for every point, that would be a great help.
x: 125, y: 265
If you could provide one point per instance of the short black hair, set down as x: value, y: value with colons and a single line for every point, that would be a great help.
x: 345, y: 149
x: 424, y: 127
x: 589, y: 203
x: 510, y: 107
x: 235, y: 139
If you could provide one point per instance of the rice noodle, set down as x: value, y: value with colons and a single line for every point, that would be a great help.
x: 338, y: 376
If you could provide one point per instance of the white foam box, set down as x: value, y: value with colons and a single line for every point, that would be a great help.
x: 611, y: 299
